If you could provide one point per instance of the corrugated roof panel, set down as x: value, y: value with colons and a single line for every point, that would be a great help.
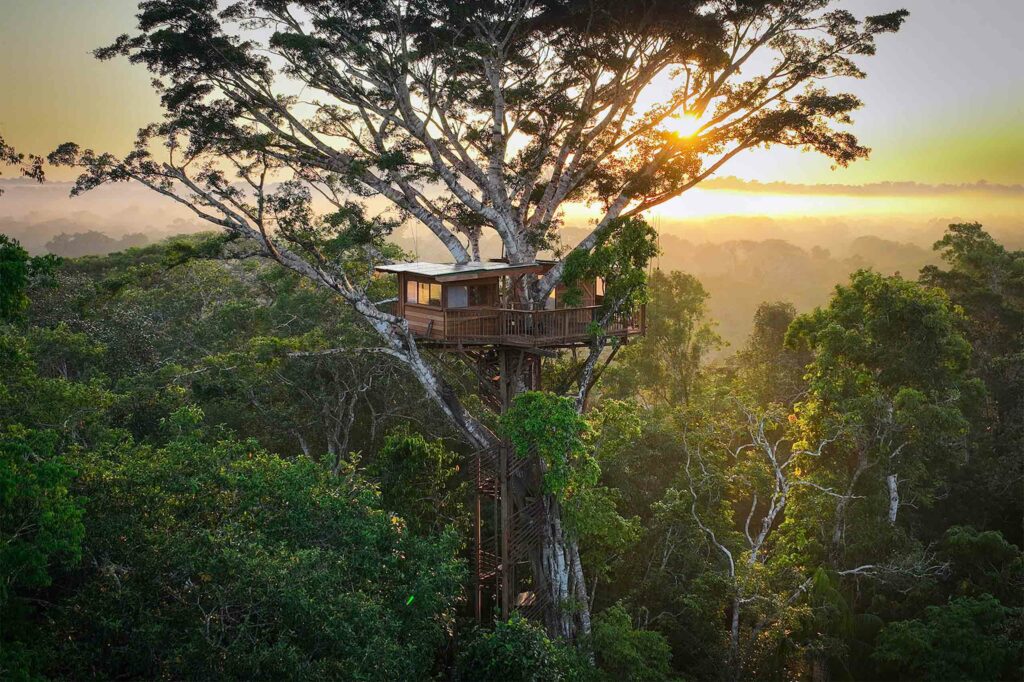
x: 450, y: 269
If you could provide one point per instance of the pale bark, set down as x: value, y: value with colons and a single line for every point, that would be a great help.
x: 843, y: 505
x: 560, y: 573
x: 778, y: 456
x: 894, y: 497
x: 734, y: 637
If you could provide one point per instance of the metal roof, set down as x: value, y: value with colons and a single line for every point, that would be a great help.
x: 454, y: 271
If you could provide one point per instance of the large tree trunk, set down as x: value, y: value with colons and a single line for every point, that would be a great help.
x: 558, y: 580
x: 819, y: 668
x: 559, y: 576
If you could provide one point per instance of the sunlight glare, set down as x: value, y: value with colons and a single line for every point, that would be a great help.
x: 686, y: 125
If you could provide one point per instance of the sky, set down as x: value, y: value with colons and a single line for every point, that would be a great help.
x: 943, y: 106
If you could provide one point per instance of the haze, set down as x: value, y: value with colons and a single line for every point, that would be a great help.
x: 943, y: 103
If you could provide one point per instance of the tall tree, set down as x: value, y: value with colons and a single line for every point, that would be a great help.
x: 662, y: 367
x: 469, y: 117
x: 987, y: 281
x: 17, y: 271
x: 890, y: 373
x: 773, y: 373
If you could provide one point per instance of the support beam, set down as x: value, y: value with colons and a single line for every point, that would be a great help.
x: 498, y: 486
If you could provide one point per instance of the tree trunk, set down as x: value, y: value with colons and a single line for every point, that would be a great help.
x: 842, y: 506
x: 819, y: 668
x: 559, y: 576
x: 474, y: 243
x: 734, y: 638
x: 894, y: 497
x: 558, y: 580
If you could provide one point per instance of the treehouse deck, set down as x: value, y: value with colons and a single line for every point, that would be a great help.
x: 474, y: 304
x: 524, y: 328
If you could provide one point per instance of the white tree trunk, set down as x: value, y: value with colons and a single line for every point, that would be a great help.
x: 560, y: 577
x: 734, y: 637
x: 894, y: 497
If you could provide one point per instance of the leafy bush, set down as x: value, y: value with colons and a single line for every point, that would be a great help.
x: 546, y: 425
x: 519, y: 651
x: 211, y: 558
x: 417, y: 480
x: 40, y: 528
x: 966, y: 639
x: 626, y: 653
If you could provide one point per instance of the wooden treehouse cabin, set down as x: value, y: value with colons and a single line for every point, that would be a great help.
x: 476, y: 310
x: 477, y: 303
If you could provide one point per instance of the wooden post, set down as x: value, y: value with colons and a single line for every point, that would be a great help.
x: 478, y: 544
x: 507, y: 571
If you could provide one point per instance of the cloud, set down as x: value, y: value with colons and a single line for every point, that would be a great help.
x: 728, y: 183
x: 873, y: 189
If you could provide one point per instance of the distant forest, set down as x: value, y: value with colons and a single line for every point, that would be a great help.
x: 736, y: 260
x: 204, y: 474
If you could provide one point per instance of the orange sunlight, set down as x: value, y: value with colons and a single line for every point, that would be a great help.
x: 686, y: 125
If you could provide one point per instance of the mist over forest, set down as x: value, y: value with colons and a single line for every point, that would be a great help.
x: 740, y: 260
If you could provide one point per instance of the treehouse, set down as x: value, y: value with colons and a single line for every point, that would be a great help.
x: 478, y: 303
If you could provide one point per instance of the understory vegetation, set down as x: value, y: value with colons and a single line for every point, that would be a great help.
x: 207, y: 472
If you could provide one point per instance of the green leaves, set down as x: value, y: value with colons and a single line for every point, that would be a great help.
x: 519, y: 651
x: 664, y: 364
x: 967, y: 639
x: 890, y: 373
x: 41, y: 532
x: 620, y: 257
x: 215, y: 558
x: 541, y: 424
x: 625, y: 652
x: 40, y: 519
x: 17, y: 271
x: 418, y: 482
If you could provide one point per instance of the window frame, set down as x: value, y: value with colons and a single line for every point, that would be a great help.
x: 450, y: 289
x: 425, y: 289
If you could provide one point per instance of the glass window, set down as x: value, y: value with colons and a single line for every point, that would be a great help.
x: 458, y: 296
x: 599, y: 287
x: 550, y: 303
x: 428, y: 294
x: 410, y: 291
x: 478, y: 295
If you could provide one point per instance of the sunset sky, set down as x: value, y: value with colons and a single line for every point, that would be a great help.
x: 944, y: 101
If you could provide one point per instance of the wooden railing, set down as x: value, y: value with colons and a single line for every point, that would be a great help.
x: 534, y: 327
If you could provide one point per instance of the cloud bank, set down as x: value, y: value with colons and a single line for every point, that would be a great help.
x: 873, y: 189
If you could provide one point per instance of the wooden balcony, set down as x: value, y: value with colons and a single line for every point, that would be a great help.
x: 525, y: 328
x: 454, y: 305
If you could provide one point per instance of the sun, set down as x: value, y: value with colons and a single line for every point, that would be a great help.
x: 686, y: 125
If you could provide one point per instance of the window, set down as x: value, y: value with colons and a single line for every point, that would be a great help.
x: 458, y: 295
x: 480, y: 295
x: 552, y: 301
x: 427, y: 293
x: 466, y: 295
x: 410, y: 292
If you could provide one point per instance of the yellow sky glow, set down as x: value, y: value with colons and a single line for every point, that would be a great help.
x: 933, y: 112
